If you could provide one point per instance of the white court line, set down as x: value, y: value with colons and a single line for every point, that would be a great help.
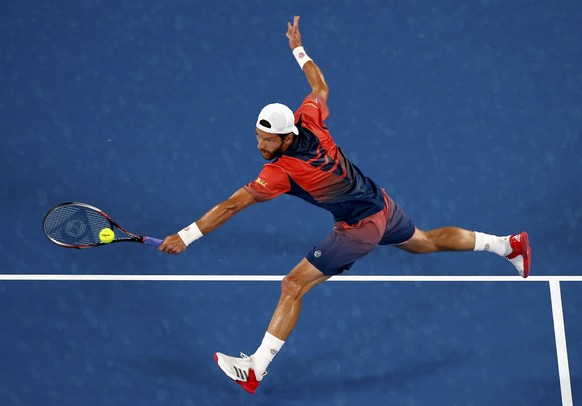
x: 274, y: 278
x: 561, y: 348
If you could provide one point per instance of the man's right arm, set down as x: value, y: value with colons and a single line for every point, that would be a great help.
x: 211, y: 220
x: 310, y: 69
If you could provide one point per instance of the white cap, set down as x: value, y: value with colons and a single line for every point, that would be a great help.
x: 276, y: 118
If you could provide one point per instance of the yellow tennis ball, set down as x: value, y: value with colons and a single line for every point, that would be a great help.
x: 106, y: 235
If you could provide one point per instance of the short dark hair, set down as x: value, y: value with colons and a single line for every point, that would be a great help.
x: 284, y: 135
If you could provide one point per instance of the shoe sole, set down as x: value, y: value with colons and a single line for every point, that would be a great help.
x: 526, y: 253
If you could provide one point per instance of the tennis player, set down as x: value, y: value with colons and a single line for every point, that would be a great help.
x: 304, y: 161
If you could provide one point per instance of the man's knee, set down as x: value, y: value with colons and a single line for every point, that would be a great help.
x: 420, y: 243
x: 291, y: 287
x: 441, y: 239
x: 301, y: 279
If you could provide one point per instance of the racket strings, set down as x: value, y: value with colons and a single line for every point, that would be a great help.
x: 75, y: 225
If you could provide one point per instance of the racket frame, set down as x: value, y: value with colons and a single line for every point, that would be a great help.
x: 131, y: 237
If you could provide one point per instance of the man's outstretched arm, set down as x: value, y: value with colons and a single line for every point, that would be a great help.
x: 211, y: 220
x: 310, y: 68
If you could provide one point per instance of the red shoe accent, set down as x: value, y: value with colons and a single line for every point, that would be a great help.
x: 250, y: 385
x: 520, y: 245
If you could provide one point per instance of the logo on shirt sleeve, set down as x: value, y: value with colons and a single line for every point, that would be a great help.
x: 261, y: 182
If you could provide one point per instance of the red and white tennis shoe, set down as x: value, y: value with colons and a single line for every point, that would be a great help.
x: 520, y: 257
x: 239, y: 370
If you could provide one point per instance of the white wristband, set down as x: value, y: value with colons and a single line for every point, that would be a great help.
x: 301, y: 57
x: 190, y: 234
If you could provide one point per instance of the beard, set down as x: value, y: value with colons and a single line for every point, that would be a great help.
x: 270, y: 155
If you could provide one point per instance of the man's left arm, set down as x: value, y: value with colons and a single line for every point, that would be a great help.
x: 310, y: 69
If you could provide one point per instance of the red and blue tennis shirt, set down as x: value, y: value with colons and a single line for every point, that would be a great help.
x: 316, y: 170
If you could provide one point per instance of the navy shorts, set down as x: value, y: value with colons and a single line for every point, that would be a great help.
x: 348, y: 243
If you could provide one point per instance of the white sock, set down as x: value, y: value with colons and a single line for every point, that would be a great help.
x: 269, y: 347
x: 492, y: 243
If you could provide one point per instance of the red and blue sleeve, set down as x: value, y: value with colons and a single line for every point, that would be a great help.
x: 313, y: 110
x: 271, y: 182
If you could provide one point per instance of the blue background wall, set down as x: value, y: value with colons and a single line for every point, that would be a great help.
x: 469, y: 113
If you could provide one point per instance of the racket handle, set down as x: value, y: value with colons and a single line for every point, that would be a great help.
x: 154, y: 242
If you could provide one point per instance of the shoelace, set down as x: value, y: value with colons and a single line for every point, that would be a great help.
x: 245, y: 358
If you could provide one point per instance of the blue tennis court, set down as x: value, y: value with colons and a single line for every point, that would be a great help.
x: 403, y: 342
x: 469, y: 114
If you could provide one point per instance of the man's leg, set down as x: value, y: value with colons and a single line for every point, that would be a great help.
x: 294, y: 286
x: 514, y: 247
x: 440, y: 239
x: 249, y: 371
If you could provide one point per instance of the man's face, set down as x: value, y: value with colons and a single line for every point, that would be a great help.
x: 270, y: 145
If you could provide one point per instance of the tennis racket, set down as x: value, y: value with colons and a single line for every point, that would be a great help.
x: 77, y: 225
